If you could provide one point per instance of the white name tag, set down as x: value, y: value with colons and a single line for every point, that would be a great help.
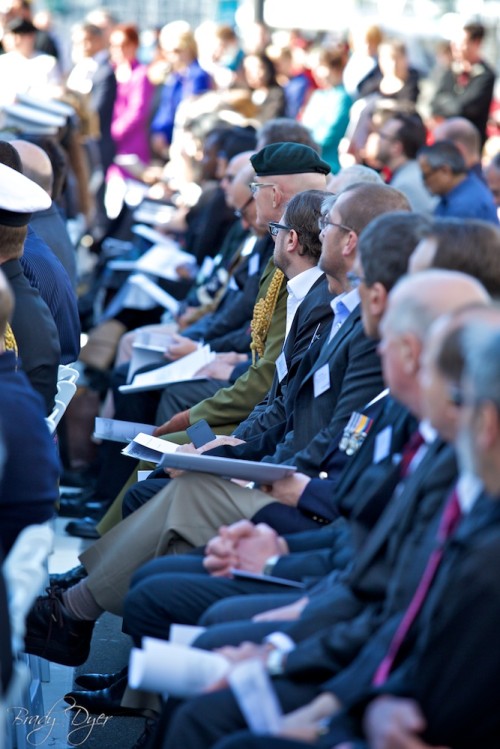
x: 253, y: 265
x: 383, y: 442
x: 321, y: 380
x: 281, y: 367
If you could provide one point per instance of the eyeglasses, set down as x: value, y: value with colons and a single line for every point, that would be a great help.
x: 324, y: 221
x: 274, y: 228
x: 240, y: 212
x: 255, y: 186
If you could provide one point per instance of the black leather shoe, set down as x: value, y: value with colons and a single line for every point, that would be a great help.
x: 103, y: 701
x: 84, y: 528
x: 94, y: 682
x: 77, y: 508
x: 51, y: 633
x: 67, y: 579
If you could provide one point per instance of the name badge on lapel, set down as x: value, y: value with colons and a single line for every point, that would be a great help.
x: 383, y: 443
x: 253, y: 265
x: 281, y: 367
x: 355, y: 433
x: 321, y: 380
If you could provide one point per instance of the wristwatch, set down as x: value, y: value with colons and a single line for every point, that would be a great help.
x: 269, y: 565
x: 275, y: 662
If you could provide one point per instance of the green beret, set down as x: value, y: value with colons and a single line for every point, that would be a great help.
x: 287, y: 158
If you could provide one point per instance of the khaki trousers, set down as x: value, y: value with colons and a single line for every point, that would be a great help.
x: 185, y: 514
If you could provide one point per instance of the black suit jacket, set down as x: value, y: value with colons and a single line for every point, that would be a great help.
x: 406, y: 517
x: 451, y: 661
x: 302, y: 434
x: 311, y: 322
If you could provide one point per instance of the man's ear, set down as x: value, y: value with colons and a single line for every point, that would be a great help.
x: 377, y: 299
x: 350, y: 246
x: 292, y: 243
x: 277, y: 196
x: 411, y: 349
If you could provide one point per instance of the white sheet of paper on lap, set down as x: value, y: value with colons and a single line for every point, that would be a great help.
x: 146, y: 447
x: 142, y: 357
x: 185, y: 634
x: 159, y: 295
x: 119, y: 431
x: 171, y: 669
x: 178, y: 371
x: 255, y: 695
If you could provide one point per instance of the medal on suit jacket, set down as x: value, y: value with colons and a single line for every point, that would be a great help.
x: 355, y: 433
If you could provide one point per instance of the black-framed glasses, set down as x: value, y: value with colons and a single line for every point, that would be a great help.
x: 324, y: 221
x: 255, y: 186
x: 240, y: 212
x: 274, y: 228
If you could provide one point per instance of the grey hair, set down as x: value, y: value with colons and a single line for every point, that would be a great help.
x: 481, y: 346
x: 354, y: 174
x: 412, y: 315
x: 444, y: 153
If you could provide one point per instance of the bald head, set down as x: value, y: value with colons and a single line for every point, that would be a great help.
x: 36, y: 164
x: 352, y: 175
x: 464, y: 135
x: 417, y: 300
x: 6, y: 306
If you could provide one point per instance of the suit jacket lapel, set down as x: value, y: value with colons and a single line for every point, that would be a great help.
x: 329, y: 347
x: 396, y: 509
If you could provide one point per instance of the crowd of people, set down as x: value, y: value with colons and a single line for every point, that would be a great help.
x: 332, y: 235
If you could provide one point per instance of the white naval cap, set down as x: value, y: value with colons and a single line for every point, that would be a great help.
x: 19, y: 197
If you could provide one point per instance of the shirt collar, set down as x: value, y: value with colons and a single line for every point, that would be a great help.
x: 300, y: 285
x: 427, y: 431
x: 350, y: 300
x: 468, y: 488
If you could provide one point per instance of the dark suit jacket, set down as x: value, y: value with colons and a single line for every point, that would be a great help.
x: 451, y: 663
x: 302, y: 434
x: 228, y: 328
x: 36, y: 334
x: 311, y: 322
x: 405, y: 519
x: 29, y: 481
x: 324, y: 499
x: 472, y: 100
x: 45, y: 273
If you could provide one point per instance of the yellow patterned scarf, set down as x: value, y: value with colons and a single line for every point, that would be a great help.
x: 263, y: 313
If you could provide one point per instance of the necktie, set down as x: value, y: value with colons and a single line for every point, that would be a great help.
x: 409, y: 451
x: 448, y: 525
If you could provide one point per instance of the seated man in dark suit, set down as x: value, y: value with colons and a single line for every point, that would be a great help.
x: 435, y: 682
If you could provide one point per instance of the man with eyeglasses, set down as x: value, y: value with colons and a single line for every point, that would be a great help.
x: 462, y: 194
